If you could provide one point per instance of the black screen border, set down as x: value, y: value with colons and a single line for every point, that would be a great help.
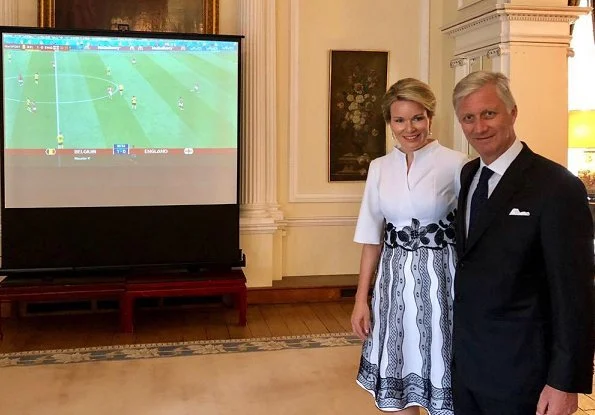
x: 212, y: 229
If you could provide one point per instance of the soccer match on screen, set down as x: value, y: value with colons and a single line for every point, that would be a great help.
x: 76, y: 95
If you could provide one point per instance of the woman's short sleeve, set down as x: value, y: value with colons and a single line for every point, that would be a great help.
x: 370, y: 221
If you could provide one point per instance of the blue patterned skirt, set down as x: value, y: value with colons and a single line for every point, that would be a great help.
x: 406, y: 358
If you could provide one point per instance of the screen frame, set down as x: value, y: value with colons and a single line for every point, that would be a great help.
x: 231, y: 258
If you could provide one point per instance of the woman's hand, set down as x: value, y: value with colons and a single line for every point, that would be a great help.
x: 360, y: 319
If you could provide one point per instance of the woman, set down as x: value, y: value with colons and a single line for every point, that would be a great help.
x: 406, y: 227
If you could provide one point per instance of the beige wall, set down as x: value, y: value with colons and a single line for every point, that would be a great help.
x: 441, y: 76
x: 27, y: 13
x: 228, y: 17
x: 321, y: 215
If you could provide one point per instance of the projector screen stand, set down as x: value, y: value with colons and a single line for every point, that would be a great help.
x: 128, y: 288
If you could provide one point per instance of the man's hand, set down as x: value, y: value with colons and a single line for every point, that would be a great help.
x: 556, y: 402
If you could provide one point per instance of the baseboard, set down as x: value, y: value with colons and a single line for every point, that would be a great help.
x: 299, y: 295
x: 305, y: 289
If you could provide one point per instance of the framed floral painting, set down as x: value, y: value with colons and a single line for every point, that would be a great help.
x: 357, y: 131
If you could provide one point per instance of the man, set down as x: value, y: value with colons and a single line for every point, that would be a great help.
x: 60, y: 140
x: 523, y: 316
x: 133, y: 102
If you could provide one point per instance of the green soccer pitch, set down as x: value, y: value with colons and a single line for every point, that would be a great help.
x: 73, y: 99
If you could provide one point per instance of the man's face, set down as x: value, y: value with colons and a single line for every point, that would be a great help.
x: 486, y: 123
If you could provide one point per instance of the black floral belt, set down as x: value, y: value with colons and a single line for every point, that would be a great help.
x: 433, y: 235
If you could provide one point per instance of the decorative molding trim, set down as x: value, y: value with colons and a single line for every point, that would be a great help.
x: 516, y: 13
x: 492, y: 53
x: 271, y: 104
x: 295, y: 196
x: 424, y: 50
x: 294, y: 101
x: 321, y: 221
x: 499, y: 50
x: 264, y: 225
x: 458, y: 62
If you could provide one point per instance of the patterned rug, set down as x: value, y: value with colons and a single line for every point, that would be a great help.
x: 163, y: 350
x: 286, y: 375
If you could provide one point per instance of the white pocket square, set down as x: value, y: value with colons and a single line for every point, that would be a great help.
x: 517, y: 212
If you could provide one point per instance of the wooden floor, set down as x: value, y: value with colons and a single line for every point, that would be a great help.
x: 210, y: 322
x: 176, y: 324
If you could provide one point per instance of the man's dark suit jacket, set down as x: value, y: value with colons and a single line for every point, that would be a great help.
x: 523, y: 313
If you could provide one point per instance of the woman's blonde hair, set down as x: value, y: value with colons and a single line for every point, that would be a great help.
x: 409, y: 89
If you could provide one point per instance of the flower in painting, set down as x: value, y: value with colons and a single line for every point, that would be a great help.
x: 357, y: 100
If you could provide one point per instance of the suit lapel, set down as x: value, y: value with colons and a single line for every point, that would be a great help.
x: 512, y: 181
x: 466, y: 178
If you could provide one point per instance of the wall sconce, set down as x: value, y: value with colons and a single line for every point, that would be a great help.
x: 581, y: 129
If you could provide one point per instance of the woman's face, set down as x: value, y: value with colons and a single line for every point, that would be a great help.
x: 410, y: 125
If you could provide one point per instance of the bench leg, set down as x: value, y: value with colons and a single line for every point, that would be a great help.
x: 126, y: 314
x: 242, y: 306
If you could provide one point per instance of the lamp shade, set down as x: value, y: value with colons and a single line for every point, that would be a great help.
x: 581, y: 129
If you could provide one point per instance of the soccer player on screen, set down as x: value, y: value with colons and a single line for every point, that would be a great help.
x: 108, y: 70
x: 36, y: 78
x: 181, y: 104
x: 110, y: 92
x: 195, y: 89
x: 28, y: 104
x: 60, y: 140
x: 133, y: 102
x: 9, y: 57
x: 121, y: 89
x: 33, y: 107
x: 20, y: 80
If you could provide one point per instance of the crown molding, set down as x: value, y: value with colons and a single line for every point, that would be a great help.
x: 509, y: 12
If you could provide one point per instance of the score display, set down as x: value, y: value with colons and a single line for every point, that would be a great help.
x: 121, y: 149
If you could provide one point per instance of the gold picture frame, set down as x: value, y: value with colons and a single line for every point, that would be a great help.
x: 357, y: 130
x: 146, y: 16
